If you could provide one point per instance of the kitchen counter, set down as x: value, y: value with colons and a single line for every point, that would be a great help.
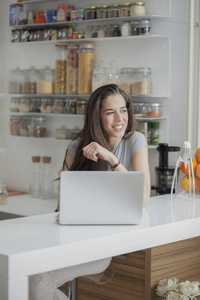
x: 36, y: 244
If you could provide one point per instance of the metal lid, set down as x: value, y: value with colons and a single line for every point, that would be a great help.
x: 46, y: 159
x: 81, y: 101
x: 137, y: 104
x: 87, y: 45
x: 35, y: 158
x: 138, y: 3
x: 153, y: 104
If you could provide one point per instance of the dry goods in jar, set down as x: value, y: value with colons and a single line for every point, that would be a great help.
x: 46, y: 105
x: 60, y: 69
x: 142, y: 87
x: 72, y: 70
x: 137, y: 9
x: 81, y: 107
x: 153, y: 110
x: 25, y: 104
x: 59, y: 106
x: 15, y: 125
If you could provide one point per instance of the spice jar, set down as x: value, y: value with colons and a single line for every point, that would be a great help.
x: 25, y: 105
x: 153, y: 110
x: 60, y: 69
x: 72, y: 69
x: 74, y: 132
x: 143, y: 127
x: 102, y: 12
x: 3, y: 193
x: 31, y: 78
x: 124, y: 10
x: 35, y: 105
x: 153, y: 133
x: 81, y: 107
x: 142, y: 84
x: 15, y: 81
x: 115, y: 30
x: 135, y: 27
x: 86, y: 62
x: 138, y: 109
x: 70, y: 106
x: 113, y: 11
x: 88, y: 32
x: 45, y: 85
x: 80, y: 14
x: 126, y: 80
x: 14, y: 125
x: 62, y: 133
x: 137, y: 9
x: 46, y: 105
x: 90, y: 12
x: 59, y: 106
x: 126, y: 28
x: 14, y: 104
x: 24, y: 126
x: 38, y: 127
x: 145, y: 26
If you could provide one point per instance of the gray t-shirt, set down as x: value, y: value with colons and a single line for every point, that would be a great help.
x: 124, y: 150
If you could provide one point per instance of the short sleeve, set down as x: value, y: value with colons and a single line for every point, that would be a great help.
x: 138, y: 141
x: 72, y: 148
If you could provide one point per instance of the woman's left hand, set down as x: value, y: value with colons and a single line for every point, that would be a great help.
x: 94, y: 151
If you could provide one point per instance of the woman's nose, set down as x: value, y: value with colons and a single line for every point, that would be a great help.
x: 118, y: 116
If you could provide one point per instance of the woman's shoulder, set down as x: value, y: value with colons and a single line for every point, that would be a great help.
x: 136, y: 137
x: 72, y: 147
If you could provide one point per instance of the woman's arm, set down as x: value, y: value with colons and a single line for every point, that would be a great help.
x: 140, y: 163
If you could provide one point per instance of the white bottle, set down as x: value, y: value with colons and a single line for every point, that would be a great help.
x: 98, y: 76
x: 35, y: 177
x: 46, y: 178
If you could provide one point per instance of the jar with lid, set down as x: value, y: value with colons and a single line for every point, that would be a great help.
x: 31, y: 78
x: 45, y: 84
x: 102, y: 12
x: 126, y: 28
x: 70, y: 106
x: 3, y: 193
x: 138, y: 109
x: 99, y: 76
x: 153, y: 110
x: 72, y: 69
x: 94, y: 32
x: 124, y: 10
x: 113, y: 11
x: 14, y: 104
x: 126, y: 80
x: 38, y: 127
x: 88, y: 32
x: 35, y: 105
x: 100, y: 31
x: 90, y: 12
x: 115, y: 30
x: 142, y: 84
x: 59, y: 106
x: 153, y: 133
x: 60, y: 69
x: 135, y: 25
x: 15, y: 125
x: 24, y: 126
x: 81, y: 106
x: 113, y: 73
x: 143, y: 127
x: 137, y: 9
x: 85, y: 62
x: 46, y: 105
x: 145, y: 27
x: 74, y: 132
x: 62, y: 133
x: 15, y: 81
x: 80, y: 14
x: 25, y: 105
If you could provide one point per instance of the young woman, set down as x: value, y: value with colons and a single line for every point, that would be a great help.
x: 109, y: 140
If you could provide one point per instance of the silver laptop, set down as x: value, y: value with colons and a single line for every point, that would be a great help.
x: 101, y: 197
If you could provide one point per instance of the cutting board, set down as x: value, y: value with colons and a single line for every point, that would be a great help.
x: 15, y: 192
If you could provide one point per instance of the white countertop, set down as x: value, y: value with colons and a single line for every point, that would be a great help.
x: 38, y: 244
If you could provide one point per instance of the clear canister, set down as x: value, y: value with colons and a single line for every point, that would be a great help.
x: 124, y: 10
x: 126, y: 28
x: 138, y: 109
x: 143, y: 127
x: 135, y: 27
x: 46, y: 105
x: 14, y: 104
x: 72, y: 69
x: 115, y: 30
x: 38, y: 127
x: 142, y: 84
x: 31, y: 78
x: 81, y: 107
x: 113, y: 11
x: 90, y: 12
x: 137, y: 9
x: 60, y: 69
x: 24, y: 126
x: 62, y: 133
x: 102, y: 12
x: 25, y: 105
x: 15, y: 81
x: 88, y: 32
x: 35, y: 105
x: 59, y: 106
x: 15, y: 125
x: 126, y: 80
x: 46, y: 82
x: 85, y: 69
x: 145, y: 27
x: 70, y: 106
x: 153, y: 110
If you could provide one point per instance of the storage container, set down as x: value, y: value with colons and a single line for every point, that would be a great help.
x: 126, y: 28
x: 126, y: 80
x: 59, y: 106
x: 90, y: 12
x: 143, y: 127
x: 153, y: 133
x: 70, y: 106
x: 62, y: 133
x: 35, y: 105
x: 138, y: 109
x: 113, y: 11
x: 46, y: 82
x: 153, y: 110
x: 60, y: 69
x: 124, y: 10
x: 3, y: 193
x: 30, y: 82
x: 137, y: 9
x: 25, y: 105
x: 135, y: 24
x: 15, y: 125
x: 15, y: 81
x: 142, y: 84
x: 115, y: 30
x: 80, y: 14
x: 14, y: 104
x: 46, y: 105
x: 74, y: 132
x: 38, y: 127
x: 145, y: 27
x: 72, y: 69
x: 25, y: 123
x: 102, y: 12
x: 98, y: 76
x: 81, y: 107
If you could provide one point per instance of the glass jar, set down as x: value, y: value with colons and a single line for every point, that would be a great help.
x: 45, y: 84
x: 15, y: 81
x: 38, y: 127
x: 59, y: 106
x: 81, y: 107
x: 143, y: 127
x: 100, y: 31
x: 31, y: 78
x: 15, y: 125
x: 138, y: 109
x: 153, y: 110
x: 86, y: 62
x: 72, y: 69
x: 102, y: 12
x: 62, y: 133
x: 137, y: 9
x: 142, y: 84
x: 14, y: 104
x: 113, y: 11
x: 60, y: 69
x: 70, y: 106
x: 35, y: 105
x: 3, y: 193
x: 113, y: 73
x: 126, y: 28
x: 99, y: 76
x: 74, y: 132
x: 94, y: 32
x: 25, y: 105
x: 153, y: 133
x: 135, y: 25
x: 115, y: 30
x: 126, y: 80
x: 145, y: 27
x: 88, y: 32
x: 46, y: 105
x: 124, y: 10
x: 90, y: 12
x: 24, y: 126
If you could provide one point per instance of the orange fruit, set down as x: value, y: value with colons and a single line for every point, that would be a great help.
x: 197, y: 155
x: 185, y: 183
x: 197, y: 185
x: 198, y: 170
x: 186, y: 170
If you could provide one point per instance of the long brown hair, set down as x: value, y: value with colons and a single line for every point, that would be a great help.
x: 93, y: 130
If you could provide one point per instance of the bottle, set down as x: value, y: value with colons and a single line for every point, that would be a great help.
x: 35, y: 177
x: 46, y: 178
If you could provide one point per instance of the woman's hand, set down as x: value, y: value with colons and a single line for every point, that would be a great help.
x: 94, y: 151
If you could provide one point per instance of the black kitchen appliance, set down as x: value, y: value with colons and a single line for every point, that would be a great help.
x: 164, y: 173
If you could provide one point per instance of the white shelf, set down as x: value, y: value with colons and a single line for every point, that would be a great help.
x: 45, y: 114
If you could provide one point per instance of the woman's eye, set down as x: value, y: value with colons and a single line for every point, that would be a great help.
x: 109, y: 113
x: 124, y: 111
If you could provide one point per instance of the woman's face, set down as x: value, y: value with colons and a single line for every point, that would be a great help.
x: 114, y: 117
